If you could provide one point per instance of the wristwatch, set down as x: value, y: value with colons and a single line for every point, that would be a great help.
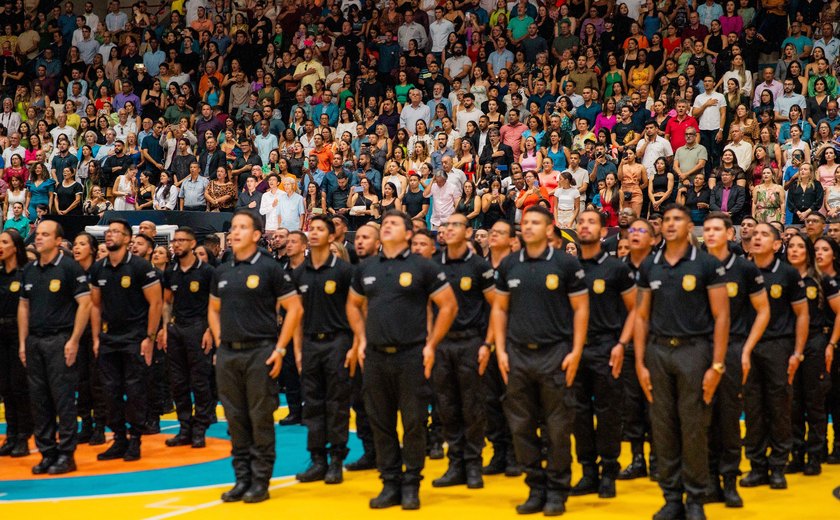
x: 720, y: 368
x: 490, y: 346
x: 280, y: 350
x: 152, y: 336
x: 833, y: 346
x: 800, y: 357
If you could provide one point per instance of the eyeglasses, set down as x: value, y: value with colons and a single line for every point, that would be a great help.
x: 690, y: 134
x: 641, y: 230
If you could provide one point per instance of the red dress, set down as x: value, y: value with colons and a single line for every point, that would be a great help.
x: 610, y: 209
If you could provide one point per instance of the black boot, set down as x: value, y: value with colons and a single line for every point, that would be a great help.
x: 694, y: 511
x: 654, y: 472
x: 454, y: 476
x: 86, y: 431
x: 474, y: 478
x: 199, y: 440
x: 512, y: 467
x: 116, y: 451
x: 497, y: 463
x: 609, y: 473
x: 834, y: 458
x: 730, y: 492
x: 813, y: 468
x: 588, y: 484
x: 8, y: 446
x: 335, y: 475
x: 755, y: 478
x: 21, y: 448
x: 671, y: 511
x: 184, y: 438
x: 777, y: 479
x: 290, y: 420
x: 636, y: 469
x: 796, y: 463
x: 132, y: 452
x: 365, y: 462
x: 534, y: 504
x: 258, y: 492
x: 390, y: 496
x: 317, y: 469
x: 410, y: 499
x: 714, y: 494
x: 44, y: 466
x: 236, y: 493
x: 436, y: 451
x: 555, y: 504
x: 64, y: 464
x: 97, y: 438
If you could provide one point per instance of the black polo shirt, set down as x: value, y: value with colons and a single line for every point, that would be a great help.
x: 471, y: 277
x: 679, y: 297
x: 831, y: 290
x: 785, y: 288
x: 249, y: 291
x: 539, y: 309
x: 124, y: 308
x: 397, y: 291
x: 53, y: 288
x: 190, y: 291
x: 818, y: 294
x: 324, y: 292
x: 743, y: 281
x: 608, y: 279
x: 10, y: 287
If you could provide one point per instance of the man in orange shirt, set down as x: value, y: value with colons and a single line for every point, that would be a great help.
x: 209, y: 72
x: 511, y: 133
x: 324, y: 153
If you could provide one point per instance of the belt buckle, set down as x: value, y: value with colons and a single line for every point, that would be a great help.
x: 674, y: 342
x: 320, y: 335
x: 532, y: 346
x: 390, y: 350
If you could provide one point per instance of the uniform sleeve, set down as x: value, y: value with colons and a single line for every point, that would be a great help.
x: 830, y: 288
x: 78, y: 280
x: 434, y: 276
x: 146, y: 274
x: 214, y: 284
x: 643, y: 275
x: 626, y: 280
x: 575, y: 277
x: 166, y: 279
x: 26, y: 285
x: 714, y: 271
x: 501, y: 277
x: 796, y: 286
x: 485, y: 275
x: 281, y: 282
x: 754, y: 280
x: 356, y: 282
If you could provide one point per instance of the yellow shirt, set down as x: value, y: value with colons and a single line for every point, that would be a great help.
x: 311, y: 78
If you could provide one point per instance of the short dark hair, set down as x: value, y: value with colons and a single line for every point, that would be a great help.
x: 719, y: 215
x: 147, y: 238
x: 124, y: 223
x: 602, y: 218
x: 187, y: 231
x: 301, y: 234
x: 401, y: 215
x: 326, y: 220
x: 776, y: 234
x: 256, y: 221
x: 536, y: 208
x: 677, y: 207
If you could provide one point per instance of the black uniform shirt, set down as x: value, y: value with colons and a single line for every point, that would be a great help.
x: 324, y: 291
x: 397, y: 290
x: 125, y: 311
x: 249, y: 291
x: 190, y: 291
x: 679, y: 304
x: 9, y: 292
x: 471, y: 277
x: 831, y: 290
x: 743, y: 281
x: 539, y: 309
x: 607, y: 278
x: 53, y: 289
x: 785, y: 288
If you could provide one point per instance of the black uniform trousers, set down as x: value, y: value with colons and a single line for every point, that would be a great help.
x: 14, y: 388
x: 767, y: 405
x: 679, y: 417
x: 52, y: 386
x: 325, y: 382
x: 457, y: 386
x: 537, y: 397
x: 249, y: 397
x: 190, y: 372
x: 810, y: 386
x: 90, y: 402
x: 635, y: 416
x: 289, y: 381
x: 156, y: 387
x: 598, y: 394
x: 832, y: 402
x: 124, y: 372
x: 357, y: 401
x: 496, y: 428
x: 725, y: 430
x: 392, y: 383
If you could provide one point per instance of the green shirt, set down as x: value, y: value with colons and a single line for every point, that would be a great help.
x: 20, y: 224
x: 519, y: 26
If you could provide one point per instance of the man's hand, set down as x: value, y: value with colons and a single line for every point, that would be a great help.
x: 161, y: 338
x: 146, y: 348
x: 570, y: 366
x: 276, y: 362
x: 617, y: 360
x: 746, y: 365
x: 350, y: 361
x: 22, y: 354
x: 711, y: 380
x: 428, y: 360
x: 483, y: 358
x: 361, y: 346
x: 504, y: 364
x: 299, y: 360
x: 793, y: 365
x: 71, y: 349
x: 207, y: 342
x: 644, y: 381
x: 96, y: 347
x: 829, y: 358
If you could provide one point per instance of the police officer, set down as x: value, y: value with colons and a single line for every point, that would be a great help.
x: 541, y: 310
x: 127, y: 301
x: 598, y: 390
x: 187, y: 340
x: 366, y: 244
x: 397, y: 357
x: 772, y: 365
x: 49, y: 334
x: 462, y: 356
x: 827, y: 254
x: 246, y: 294
x: 13, y: 387
x: 749, y: 313
x: 500, y: 240
x: 636, y: 413
x: 682, y: 303
x: 289, y: 379
x: 810, y: 384
x: 90, y: 403
x: 324, y: 354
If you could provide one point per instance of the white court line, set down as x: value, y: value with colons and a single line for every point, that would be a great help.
x: 207, y: 505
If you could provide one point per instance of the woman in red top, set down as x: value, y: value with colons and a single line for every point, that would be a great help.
x: 532, y: 194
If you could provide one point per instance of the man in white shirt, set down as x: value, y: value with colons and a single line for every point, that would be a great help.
x: 414, y: 111
x: 453, y: 175
x: 468, y: 112
x: 13, y: 148
x: 115, y: 20
x: 445, y: 195
x: 439, y: 31
x: 91, y: 18
x: 742, y: 149
x: 651, y: 147
x: 411, y: 30
x: 458, y: 67
x: 710, y: 111
x: 580, y: 175
x: 265, y: 142
x: 9, y: 118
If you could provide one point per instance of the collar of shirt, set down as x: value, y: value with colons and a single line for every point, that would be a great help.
x: 448, y: 259
x: 400, y: 256
x: 331, y: 261
x: 690, y: 254
x: 547, y: 254
x: 250, y: 260
x: 107, y: 260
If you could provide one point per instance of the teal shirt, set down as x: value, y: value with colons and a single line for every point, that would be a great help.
x: 519, y: 27
x: 20, y: 224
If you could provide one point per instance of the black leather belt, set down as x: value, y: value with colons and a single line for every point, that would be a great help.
x: 538, y: 346
x: 248, y: 345
x: 463, y: 334
x: 45, y: 333
x: 324, y: 336
x: 393, y: 349
x: 675, y: 341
